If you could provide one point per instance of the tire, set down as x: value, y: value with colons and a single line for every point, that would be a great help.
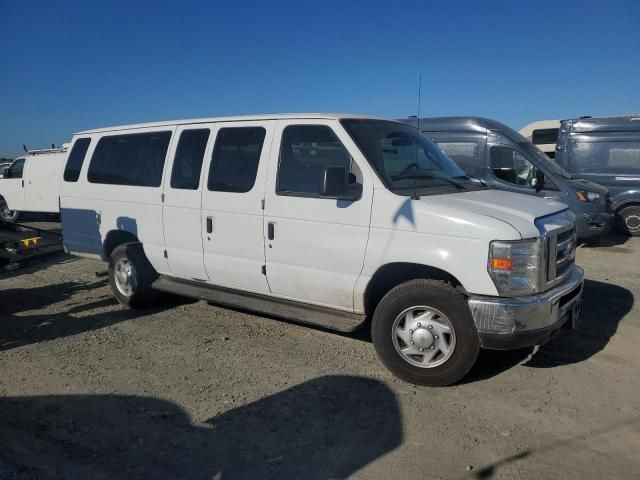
x: 6, y: 214
x: 131, y: 276
x: 442, y: 306
x: 629, y: 220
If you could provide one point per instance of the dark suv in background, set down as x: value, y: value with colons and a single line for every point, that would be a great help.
x: 502, y: 158
x: 606, y: 151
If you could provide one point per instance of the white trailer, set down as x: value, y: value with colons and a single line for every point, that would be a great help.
x: 32, y: 183
x: 544, y: 134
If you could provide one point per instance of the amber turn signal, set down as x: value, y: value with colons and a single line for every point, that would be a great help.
x: 501, y: 263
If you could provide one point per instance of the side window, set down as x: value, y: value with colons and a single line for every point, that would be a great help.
x: 188, y: 162
x: 16, y: 168
x: 511, y: 166
x: 620, y: 157
x: 76, y: 159
x: 306, y: 151
x: 135, y: 159
x: 465, y: 154
x: 544, y: 136
x: 234, y: 164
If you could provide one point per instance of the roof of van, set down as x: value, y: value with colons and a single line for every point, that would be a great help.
x: 273, y: 116
x: 622, y: 123
x: 457, y: 124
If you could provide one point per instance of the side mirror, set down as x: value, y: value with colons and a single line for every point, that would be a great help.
x: 334, y: 185
x: 537, y: 181
x: 6, y: 173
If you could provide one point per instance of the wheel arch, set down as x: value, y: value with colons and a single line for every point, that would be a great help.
x: 390, y: 275
x: 115, y: 238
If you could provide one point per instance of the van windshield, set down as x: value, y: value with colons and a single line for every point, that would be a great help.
x: 405, y: 159
x: 546, y: 162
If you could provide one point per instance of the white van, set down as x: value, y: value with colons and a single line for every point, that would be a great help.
x: 329, y: 220
x: 31, y: 183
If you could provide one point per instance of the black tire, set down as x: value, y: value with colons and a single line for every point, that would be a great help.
x: 6, y: 214
x: 142, y: 295
x: 629, y: 220
x: 442, y: 297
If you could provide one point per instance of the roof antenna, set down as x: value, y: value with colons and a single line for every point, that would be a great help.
x: 24, y: 147
x: 415, y: 196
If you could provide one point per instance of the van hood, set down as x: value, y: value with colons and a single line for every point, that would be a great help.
x: 518, y: 210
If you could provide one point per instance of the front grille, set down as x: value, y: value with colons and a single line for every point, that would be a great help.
x: 561, y: 251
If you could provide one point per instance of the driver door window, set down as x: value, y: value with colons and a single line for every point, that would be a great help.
x: 15, y: 170
x: 511, y: 166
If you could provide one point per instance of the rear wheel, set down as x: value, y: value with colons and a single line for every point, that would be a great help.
x: 629, y: 220
x: 131, y: 276
x: 424, y: 333
x: 6, y: 214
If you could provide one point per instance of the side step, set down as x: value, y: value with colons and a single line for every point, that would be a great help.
x: 290, y: 310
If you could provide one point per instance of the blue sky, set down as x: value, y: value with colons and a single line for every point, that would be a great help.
x: 68, y: 66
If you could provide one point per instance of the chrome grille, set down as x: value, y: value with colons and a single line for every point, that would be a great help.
x: 561, y: 251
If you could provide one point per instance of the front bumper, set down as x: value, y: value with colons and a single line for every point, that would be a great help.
x: 510, y: 323
x: 591, y: 225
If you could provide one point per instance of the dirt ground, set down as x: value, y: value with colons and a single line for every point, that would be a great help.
x: 89, y: 389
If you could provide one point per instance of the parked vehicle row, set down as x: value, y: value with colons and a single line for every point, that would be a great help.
x: 503, y: 159
x: 329, y: 220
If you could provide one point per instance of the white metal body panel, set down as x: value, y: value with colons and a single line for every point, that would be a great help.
x: 91, y: 210
x: 234, y: 250
x: 12, y: 191
x: 318, y: 250
x: 181, y: 212
x: 42, y: 174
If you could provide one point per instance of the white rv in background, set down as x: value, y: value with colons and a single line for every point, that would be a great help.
x: 544, y: 134
x: 32, y: 183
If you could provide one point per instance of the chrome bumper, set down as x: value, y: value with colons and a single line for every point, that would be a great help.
x: 545, y: 312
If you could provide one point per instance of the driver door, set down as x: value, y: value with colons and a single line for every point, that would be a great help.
x: 12, y: 187
x: 315, y: 245
x: 510, y: 170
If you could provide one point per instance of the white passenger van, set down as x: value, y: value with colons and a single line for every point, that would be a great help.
x: 31, y: 183
x: 328, y: 220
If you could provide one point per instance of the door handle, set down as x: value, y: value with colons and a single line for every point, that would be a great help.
x: 209, y: 224
x: 271, y: 231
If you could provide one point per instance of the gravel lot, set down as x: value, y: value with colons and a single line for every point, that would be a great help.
x: 89, y: 389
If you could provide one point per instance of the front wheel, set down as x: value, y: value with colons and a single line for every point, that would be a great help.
x: 131, y: 276
x: 6, y: 214
x: 424, y: 334
x: 629, y: 220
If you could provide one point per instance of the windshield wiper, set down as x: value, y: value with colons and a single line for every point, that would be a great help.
x: 405, y: 176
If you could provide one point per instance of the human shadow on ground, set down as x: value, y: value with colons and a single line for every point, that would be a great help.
x: 328, y: 427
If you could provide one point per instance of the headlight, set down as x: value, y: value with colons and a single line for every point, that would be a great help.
x: 514, y: 266
x: 585, y: 196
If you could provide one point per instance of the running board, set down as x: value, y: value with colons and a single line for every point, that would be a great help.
x: 290, y: 310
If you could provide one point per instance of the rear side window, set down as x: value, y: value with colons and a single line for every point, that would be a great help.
x: 188, y: 162
x: 544, y: 136
x: 236, y: 155
x: 76, y: 159
x: 307, y: 150
x: 465, y: 154
x: 617, y: 158
x: 136, y: 159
